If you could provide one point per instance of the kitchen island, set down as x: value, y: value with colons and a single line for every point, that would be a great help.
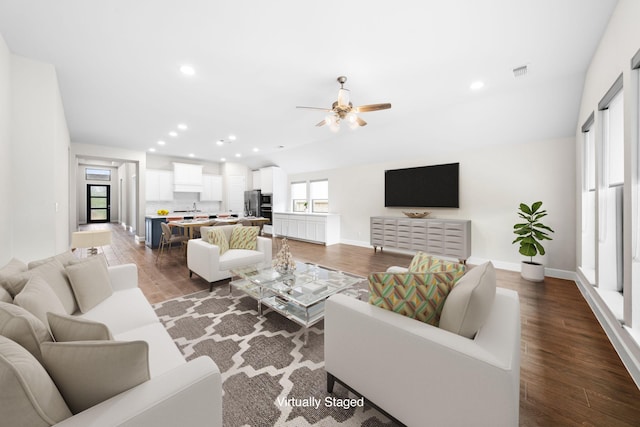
x: 323, y: 228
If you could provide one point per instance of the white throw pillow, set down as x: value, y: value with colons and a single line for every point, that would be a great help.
x: 90, y: 282
x: 66, y: 328
x: 469, y: 303
x: 20, y: 326
x: 28, y: 396
x: 89, y: 372
x: 38, y: 298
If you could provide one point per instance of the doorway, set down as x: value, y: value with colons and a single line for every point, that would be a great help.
x: 98, y: 203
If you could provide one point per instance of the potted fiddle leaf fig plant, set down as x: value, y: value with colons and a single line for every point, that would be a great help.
x: 530, y: 234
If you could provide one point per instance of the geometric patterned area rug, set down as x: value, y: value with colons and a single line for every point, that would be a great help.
x: 268, y: 377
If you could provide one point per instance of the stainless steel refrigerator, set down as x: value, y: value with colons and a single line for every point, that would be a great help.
x: 252, y: 203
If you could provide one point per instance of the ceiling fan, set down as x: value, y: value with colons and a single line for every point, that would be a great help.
x: 343, y: 109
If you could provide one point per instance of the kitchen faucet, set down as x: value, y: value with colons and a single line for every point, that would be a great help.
x: 194, y: 206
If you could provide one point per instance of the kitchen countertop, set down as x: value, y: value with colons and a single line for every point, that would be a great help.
x: 307, y: 213
x: 182, y: 214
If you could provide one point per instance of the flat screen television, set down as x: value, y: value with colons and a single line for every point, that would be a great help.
x: 426, y: 186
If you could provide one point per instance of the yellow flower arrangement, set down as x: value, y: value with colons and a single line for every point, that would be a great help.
x: 162, y: 212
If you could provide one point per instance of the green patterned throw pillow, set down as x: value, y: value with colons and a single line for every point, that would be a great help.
x: 244, y: 238
x: 420, y: 296
x: 425, y: 263
x: 216, y: 236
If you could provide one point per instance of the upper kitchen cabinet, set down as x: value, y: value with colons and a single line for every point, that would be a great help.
x: 187, y: 178
x: 273, y: 180
x: 255, y: 182
x: 159, y: 185
x: 212, y: 188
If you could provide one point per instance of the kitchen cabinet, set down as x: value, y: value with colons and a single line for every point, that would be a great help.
x: 187, y: 178
x: 255, y: 181
x: 159, y: 185
x: 153, y: 232
x: 273, y: 180
x: 316, y: 228
x: 211, y: 188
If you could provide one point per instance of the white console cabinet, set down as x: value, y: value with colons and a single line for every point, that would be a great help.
x: 446, y: 237
x: 317, y: 228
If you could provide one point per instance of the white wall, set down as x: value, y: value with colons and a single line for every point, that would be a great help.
x: 39, y: 139
x: 6, y: 210
x: 493, y: 182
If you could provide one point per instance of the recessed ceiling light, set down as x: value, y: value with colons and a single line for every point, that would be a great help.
x: 173, y: 133
x: 238, y: 155
x: 152, y: 149
x: 232, y: 137
x: 191, y: 155
x: 256, y: 149
x: 222, y: 159
x: 476, y: 85
x: 219, y: 142
x: 182, y: 126
x: 161, y: 142
x: 187, y: 70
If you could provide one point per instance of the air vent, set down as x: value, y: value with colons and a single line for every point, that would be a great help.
x: 520, y: 71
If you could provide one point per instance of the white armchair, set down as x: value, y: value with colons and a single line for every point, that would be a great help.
x: 420, y: 374
x: 205, y: 260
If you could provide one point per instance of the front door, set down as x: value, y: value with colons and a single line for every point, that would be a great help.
x: 98, y: 203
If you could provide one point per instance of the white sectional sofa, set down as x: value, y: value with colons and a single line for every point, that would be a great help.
x: 206, y: 260
x: 177, y: 393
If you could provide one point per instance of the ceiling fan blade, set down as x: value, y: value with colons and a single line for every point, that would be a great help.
x: 316, y: 108
x: 322, y: 123
x: 372, y: 107
x: 360, y: 122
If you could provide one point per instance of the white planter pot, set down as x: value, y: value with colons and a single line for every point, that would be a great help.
x: 532, y: 271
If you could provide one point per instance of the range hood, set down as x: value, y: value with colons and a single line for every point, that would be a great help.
x: 187, y: 178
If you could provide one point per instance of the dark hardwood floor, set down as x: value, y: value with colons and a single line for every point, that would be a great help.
x: 570, y: 373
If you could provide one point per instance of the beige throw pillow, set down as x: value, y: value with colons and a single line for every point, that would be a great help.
x: 469, y: 303
x: 64, y: 258
x: 89, y: 372
x: 72, y: 328
x: 19, y: 325
x: 38, y: 298
x: 90, y: 282
x: 53, y: 273
x: 5, y: 296
x: 28, y: 396
x: 13, y: 267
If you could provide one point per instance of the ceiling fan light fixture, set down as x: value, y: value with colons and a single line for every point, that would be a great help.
x: 343, y: 97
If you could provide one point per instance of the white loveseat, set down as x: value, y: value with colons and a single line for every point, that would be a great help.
x: 177, y: 393
x: 205, y: 259
x: 424, y: 375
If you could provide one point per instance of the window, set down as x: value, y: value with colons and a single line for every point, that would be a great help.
x: 299, y: 196
x: 310, y: 196
x: 319, y: 192
x: 588, y: 255
x: 610, y: 259
x: 91, y: 174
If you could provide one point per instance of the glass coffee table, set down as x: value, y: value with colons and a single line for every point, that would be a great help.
x: 298, y: 295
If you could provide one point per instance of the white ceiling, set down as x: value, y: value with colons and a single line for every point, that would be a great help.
x: 118, y: 67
